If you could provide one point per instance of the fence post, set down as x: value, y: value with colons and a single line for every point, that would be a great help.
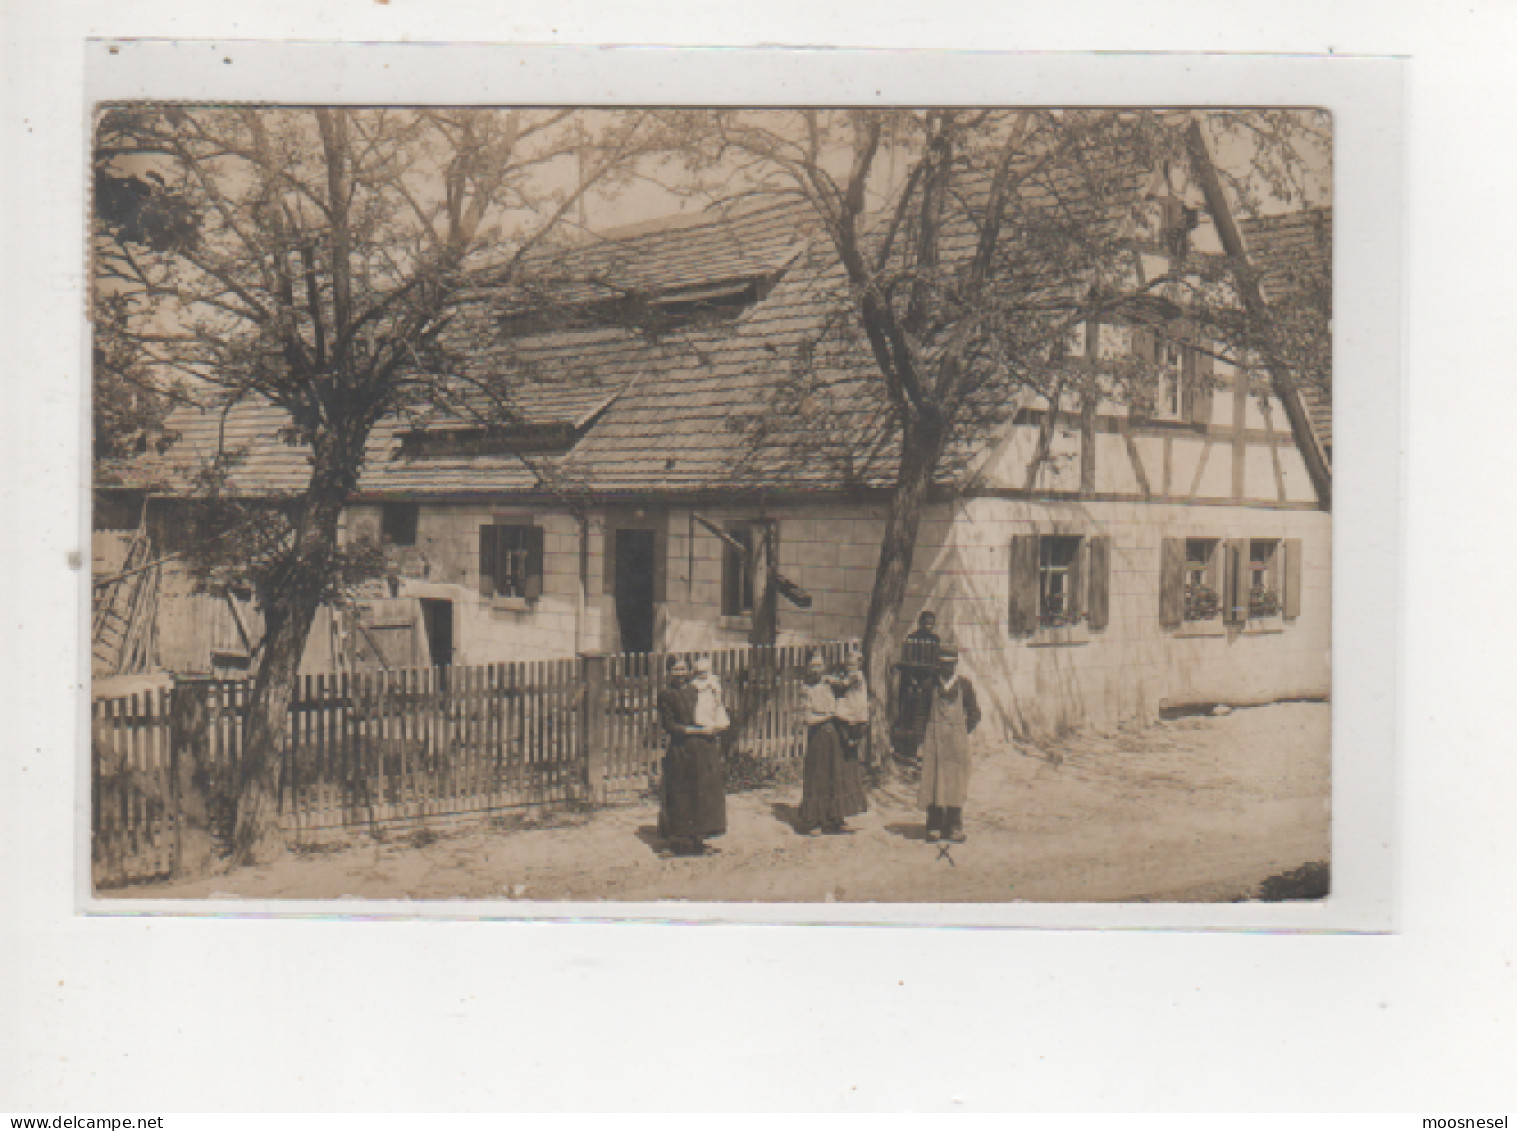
x: 592, y: 669
x: 189, y: 746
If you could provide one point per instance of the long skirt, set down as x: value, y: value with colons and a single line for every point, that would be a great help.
x: 695, y: 796
x: 832, y: 786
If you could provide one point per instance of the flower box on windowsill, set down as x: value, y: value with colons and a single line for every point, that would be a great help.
x: 513, y: 604
x: 1060, y: 635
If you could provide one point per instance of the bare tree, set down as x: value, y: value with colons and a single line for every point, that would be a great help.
x: 330, y: 245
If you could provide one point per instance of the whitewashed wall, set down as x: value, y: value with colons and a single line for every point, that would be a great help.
x: 962, y: 574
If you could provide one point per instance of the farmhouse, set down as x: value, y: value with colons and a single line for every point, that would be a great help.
x: 1093, y: 566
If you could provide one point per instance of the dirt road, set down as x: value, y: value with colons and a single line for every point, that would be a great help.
x: 1192, y: 809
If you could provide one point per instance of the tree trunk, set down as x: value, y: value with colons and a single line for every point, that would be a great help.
x: 289, y: 610
x: 920, y: 448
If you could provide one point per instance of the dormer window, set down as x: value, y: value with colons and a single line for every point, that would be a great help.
x: 462, y: 443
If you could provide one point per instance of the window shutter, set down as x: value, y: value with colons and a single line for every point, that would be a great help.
x: 733, y: 597
x: 1214, y: 566
x: 1023, y: 605
x: 1201, y: 380
x: 1099, y: 594
x: 487, y: 561
x: 1187, y: 385
x: 533, y: 588
x: 1235, y: 582
x: 1171, y: 582
x: 1143, y: 350
x: 1291, y: 598
x: 608, y: 558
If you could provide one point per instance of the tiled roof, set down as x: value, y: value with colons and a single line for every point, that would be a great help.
x: 725, y: 244
x: 1293, y: 254
x: 694, y: 406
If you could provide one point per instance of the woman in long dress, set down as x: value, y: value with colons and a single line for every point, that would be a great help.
x: 945, y: 749
x: 831, y: 785
x: 694, y: 795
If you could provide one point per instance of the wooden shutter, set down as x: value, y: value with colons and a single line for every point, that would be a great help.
x: 608, y: 558
x: 1235, y: 582
x: 1099, y: 586
x: 730, y: 573
x: 1291, y: 598
x: 1202, y: 375
x: 533, y: 537
x: 487, y: 561
x: 1022, y: 619
x: 1187, y: 380
x: 1171, y: 581
x: 1143, y: 350
x: 733, y: 598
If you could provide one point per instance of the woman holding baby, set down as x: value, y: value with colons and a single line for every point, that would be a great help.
x: 837, y: 713
x: 694, y: 801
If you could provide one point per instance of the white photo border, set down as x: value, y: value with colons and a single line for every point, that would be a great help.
x: 1365, y: 97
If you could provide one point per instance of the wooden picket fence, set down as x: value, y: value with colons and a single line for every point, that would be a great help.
x: 398, y: 748
x: 133, y: 816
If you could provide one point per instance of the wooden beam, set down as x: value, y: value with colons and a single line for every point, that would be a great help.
x: 1139, y: 472
x: 1195, y: 480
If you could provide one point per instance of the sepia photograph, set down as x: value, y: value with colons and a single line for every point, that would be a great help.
x: 877, y: 505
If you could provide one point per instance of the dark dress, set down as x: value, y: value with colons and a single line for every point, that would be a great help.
x: 694, y: 795
x: 918, y: 670
x: 832, y: 786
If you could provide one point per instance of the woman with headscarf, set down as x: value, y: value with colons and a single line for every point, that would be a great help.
x: 945, y: 749
x: 831, y: 785
x: 694, y: 797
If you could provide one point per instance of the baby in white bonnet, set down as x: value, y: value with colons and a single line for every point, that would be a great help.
x: 710, y: 711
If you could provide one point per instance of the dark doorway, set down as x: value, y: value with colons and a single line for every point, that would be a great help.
x: 437, y: 616
x: 634, y: 589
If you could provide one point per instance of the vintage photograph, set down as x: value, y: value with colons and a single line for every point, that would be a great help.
x: 841, y: 505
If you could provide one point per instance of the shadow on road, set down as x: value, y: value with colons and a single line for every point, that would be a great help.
x: 787, y: 815
x: 907, y: 829
x: 648, y: 834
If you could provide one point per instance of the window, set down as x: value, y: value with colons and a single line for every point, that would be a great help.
x: 1203, y: 601
x: 1257, y: 580
x: 1058, y: 581
x: 511, y: 562
x: 1169, y: 401
x: 737, y: 572
x: 397, y: 524
x: 1183, y: 383
x: 1263, y: 579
